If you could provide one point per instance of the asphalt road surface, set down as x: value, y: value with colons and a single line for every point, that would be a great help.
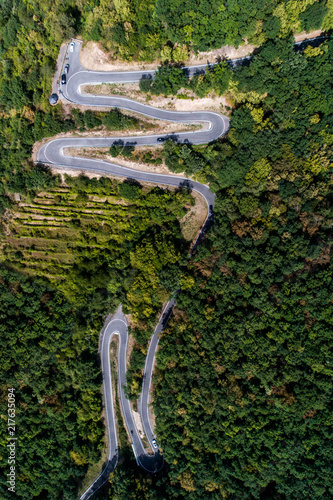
x: 150, y: 462
x: 148, y: 373
x: 54, y: 153
x: 77, y: 76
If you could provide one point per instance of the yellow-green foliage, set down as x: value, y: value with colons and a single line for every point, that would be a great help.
x: 328, y: 19
x: 289, y: 12
x: 258, y: 172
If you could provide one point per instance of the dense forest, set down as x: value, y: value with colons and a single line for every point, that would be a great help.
x: 48, y: 355
x: 243, y: 382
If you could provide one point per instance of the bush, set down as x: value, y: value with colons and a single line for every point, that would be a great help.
x: 129, y: 190
x: 112, y: 120
x: 128, y: 150
x: 116, y: 148
x: 145, y: 83
x: 91, y: 119
x: 168, y: 80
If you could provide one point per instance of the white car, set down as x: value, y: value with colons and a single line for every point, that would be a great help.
x: 154, y: 443
x: 72, y: 47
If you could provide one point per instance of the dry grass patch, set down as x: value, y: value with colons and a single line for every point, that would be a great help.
x: 193, y: 221
x: 138, y: 164
x: 92, y: 56
x: 174, y: 103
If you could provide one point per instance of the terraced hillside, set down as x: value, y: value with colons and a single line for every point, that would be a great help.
x: 87, y: 234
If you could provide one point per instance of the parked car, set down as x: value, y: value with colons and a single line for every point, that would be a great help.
x: 154, y: 443
x: 63, y: 79
x: 160, y: 139
x: 66, y: 68
x: 72, y: 47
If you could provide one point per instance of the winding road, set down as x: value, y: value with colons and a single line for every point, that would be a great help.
x: 53, y: 153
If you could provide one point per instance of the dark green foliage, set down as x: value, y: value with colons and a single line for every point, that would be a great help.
x: 96, y: 31
x: 112, y: 120
x: 17, y: 135
x: 271, y: 27
x: 244, y: 378
x: 14, y: 94
x: 116, y: 148
x: 145, y: 83
x: 48, y: 355
x: 91, y: 120
x: 168, y: 79
x: 147, y: 30
x: 132, y: 483
x: 205, y: 23
x: 128, y: 150
x: 182, y: 157
x: 208, y: 23
x: 98, y: 238
x: 29, y: 47
x: 143, y: 29
x: 312, y: 17
x: 216, y: 79
x: 129, y: 190
x: 115, y: 120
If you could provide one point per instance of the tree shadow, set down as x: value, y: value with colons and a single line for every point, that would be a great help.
x: 109, y: 467
x: 132, y: 182
x: 186, y: 184
x: 118, y: 142
x: 151, y: 463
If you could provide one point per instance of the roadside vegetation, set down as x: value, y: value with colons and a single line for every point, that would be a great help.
x: 244, y: 374
x: 169, y: 80
x: 168, y: 30
x: 20, y: 129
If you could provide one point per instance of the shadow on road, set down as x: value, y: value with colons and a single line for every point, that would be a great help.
x: 151, y: 464
x: 109, y: 468
x: 186, y: 184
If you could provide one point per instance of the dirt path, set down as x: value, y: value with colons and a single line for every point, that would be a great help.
x: 305, y: 36
x: 93, y: 57
x: 59, y: 66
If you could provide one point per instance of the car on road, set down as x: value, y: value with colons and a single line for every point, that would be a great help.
x: 154, y: 443
x: 66, y: 68
x: 160, y: 139
x: 72, y: 47
x: 63, y: 79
